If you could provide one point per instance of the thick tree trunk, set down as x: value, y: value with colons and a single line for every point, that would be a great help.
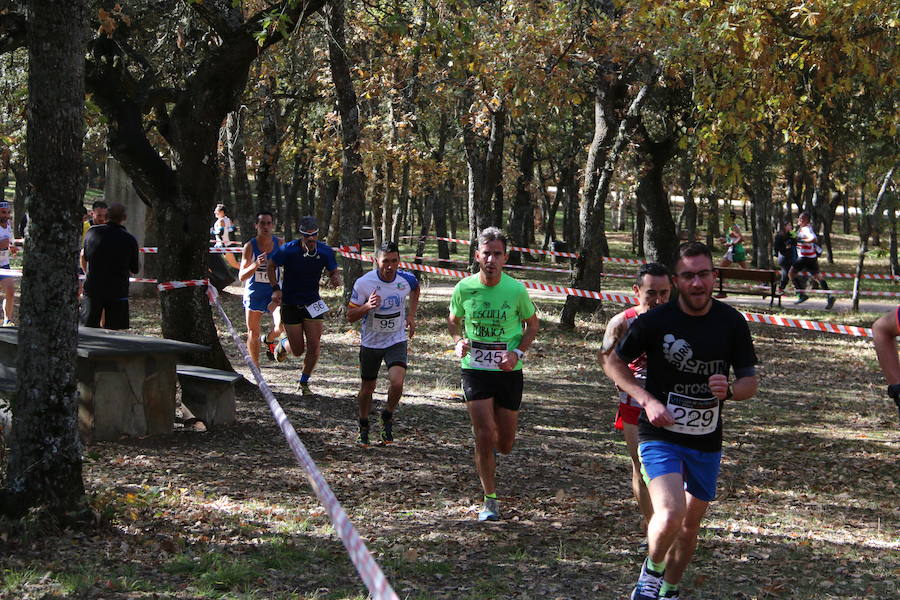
x: 331, y: 219
x: 45, y: 451
x: 521, y: 210
x: 271, y: 147
x: 757, y: 181
x: 237, y: 167
x: 687, y: 220
x: 588, y: 268
x: 182, y: 191
x: 484, y: 161
x: 351, y: 197
x: 401, y: 215
x: 660, y: 241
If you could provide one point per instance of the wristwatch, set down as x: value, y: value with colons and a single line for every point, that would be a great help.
x: 519, y: 353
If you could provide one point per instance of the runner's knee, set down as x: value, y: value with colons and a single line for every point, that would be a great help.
x: 486, y: 437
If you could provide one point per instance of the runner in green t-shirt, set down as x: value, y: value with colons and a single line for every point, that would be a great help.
x: 493, y: 307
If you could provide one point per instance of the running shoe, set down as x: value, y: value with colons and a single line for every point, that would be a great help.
x: 830, y: 302
x: 491, y: 511
x: 279, y: 352
x: 387, y: 431
x: 648, y: 584
x: 269, y: 346
x: 363, y: 438
x: 8, y: 323
x: 303, y: 388
x: 801, y: 298
x: 670, y: 595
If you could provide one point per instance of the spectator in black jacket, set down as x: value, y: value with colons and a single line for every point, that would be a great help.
x: 785, y: 249
x: 110, y: 254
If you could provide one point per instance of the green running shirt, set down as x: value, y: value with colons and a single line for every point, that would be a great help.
x: 492, y: 316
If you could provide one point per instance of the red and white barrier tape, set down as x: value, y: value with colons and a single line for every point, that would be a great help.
x: 853, y: 276
x: 236, y: 249
x: 174, y: 285
x: 639, y: 261
x: 809, y: 325
x: 368, y: 569
x: 627, y: 299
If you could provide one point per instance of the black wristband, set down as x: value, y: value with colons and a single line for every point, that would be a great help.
x: 729, y: 394
x: 276, y: 287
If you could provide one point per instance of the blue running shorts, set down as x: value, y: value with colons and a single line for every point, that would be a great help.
x: 699, y: 469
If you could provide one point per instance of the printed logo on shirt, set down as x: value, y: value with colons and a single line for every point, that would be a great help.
x: 680, y: 354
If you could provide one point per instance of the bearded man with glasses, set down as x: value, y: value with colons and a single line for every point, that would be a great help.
x: 692, y: 344
x: 302, y: 308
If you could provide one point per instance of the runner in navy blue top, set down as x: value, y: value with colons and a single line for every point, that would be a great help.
x: 257, y: 287
x: 302, y: 309
x: 692, y: 345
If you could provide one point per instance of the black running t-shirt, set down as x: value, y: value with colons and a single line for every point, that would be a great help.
x: 682, y: 352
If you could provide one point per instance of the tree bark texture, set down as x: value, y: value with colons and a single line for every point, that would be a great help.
x: 351, y: 197
x: 271, y: 146
x: 521, y: 210
x: 45, y: 454
x: 588, y: 268
x: 757, y: 182
x: 182, y: 184
x: 484, y: 159
x: 237, y: 167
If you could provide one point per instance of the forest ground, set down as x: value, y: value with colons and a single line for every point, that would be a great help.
x: 807, y: 504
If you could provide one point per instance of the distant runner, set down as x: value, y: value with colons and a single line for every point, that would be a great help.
x: 257, y: 287
x: 493, y: 307
x: 652, y: 288
x: 379, y: 299
x: 808, y: 259
x: 302, y: 308
x: 691, y: 344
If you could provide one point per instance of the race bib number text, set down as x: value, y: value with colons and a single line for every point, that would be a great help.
x: 693, y: 416
x: 487, y: 355
x: 387, y: 323
x: 317, y: 308
x: 261, y: 275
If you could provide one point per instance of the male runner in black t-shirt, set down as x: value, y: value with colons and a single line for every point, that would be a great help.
x: 691, y: 344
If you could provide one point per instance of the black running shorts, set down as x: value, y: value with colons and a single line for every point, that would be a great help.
x: 807, y: 264
x: 505, y: 387
x: 370, y: 359
x: 294, y: 314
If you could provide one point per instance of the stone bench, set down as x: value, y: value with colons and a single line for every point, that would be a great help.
x: 208, y: 393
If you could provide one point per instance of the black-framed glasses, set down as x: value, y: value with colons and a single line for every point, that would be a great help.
x: 689, y: 275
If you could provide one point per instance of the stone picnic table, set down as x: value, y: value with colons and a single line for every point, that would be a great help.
x: 126, y: 382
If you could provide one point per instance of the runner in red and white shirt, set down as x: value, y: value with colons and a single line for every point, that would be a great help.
x: 652, y: 288
x: 808, y: 259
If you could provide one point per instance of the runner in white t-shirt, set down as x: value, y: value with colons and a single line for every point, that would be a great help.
x: 379, y: 299
x: 7, y: 248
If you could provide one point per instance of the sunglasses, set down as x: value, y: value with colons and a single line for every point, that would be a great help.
x: 309, y: 233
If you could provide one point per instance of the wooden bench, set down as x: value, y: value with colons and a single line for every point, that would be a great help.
x: 208, y: 393
x: 771, y: 278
